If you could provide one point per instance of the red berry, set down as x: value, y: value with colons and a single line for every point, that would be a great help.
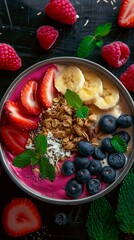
x: 9, y: 60
x: 126, y: 14
x: 47, y: 36
x: 116, y: 54
x: 127, y: 78
x: 62, y: 11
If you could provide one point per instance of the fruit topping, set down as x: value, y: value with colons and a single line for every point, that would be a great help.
x: 20, y: 217
x: 9, y: 59
x: 99, y: 153
x: 115, y: 54
x: 29, y: 99
x: 47, y: 90
x: 68, y: 168
x: 81, y: 162
x: 95, y: 167
x: 83, y: 175
x: 62, y: 11
x: 69, y: 77
x: 108, y: 174
x: 107, y: 124
x: 47, y: 36
x: 93, y: 186
x: 60, y: 219
x: 124, y: 135
x: 126, y: 14
x: 116, y: 160
x: 106, y: 145
x: 125, y: 121
x: 127, y: 78
x: 17, y: 118
x: 14, y: 139
x: 73, y: 188
x: 85, y: 148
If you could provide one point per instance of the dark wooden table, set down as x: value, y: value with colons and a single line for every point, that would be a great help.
x: 18, y: 28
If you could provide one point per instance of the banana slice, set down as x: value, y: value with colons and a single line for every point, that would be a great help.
x: 109, y: 97
x: 92, y: 87
x: 69, y: 77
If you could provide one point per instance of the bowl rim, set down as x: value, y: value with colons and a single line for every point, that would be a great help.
x: 95, y: 67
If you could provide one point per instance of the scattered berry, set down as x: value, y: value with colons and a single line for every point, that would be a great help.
x: 93, y: 186
x: 95, y: 167
x: 73, y: 188
x: 115, y: 54
x: 83, y: 175
x: 99, y: 154
x: 47, y: 36
x: 9, y: 60
x: 125, y: 121
x: 108, y: 174
x: 85, y: 148
x: 68, y: 168
x: 126, y: 14
x: 116, y: 160
x: 106, y: 145
x: 124, y: 135
x: 62, y: 11
x: 127, y: 78
x: 107, y: 124
x: 81, y: 162
x: 20, y: 217
x: 60, y: 219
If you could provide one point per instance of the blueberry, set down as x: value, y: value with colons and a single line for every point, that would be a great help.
x: 93, y: 186
x: 73, y: 188
x: 125, y: 121
x: 124, y: 135
x: 68, y: 168
x: 83, y: 175
x: 99, y: 154
x: 108, y: 174
x: 116, y: 160
x: 81, y: 162
x: 95, y: 167
x: 107, y: 124
x: 106, y: 145
x: 60, y: 219
x: 85, y: 148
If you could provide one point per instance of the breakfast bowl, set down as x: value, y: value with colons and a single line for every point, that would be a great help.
x: 67, y: 131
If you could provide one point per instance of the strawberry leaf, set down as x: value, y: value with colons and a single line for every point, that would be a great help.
x: 82, y: 112
x: 24, y: 159
x: 73, y: 99
x: 86, y: 47
x: 46, y: 169
x: 125, y: 207
x: 103, y: 29
x: 41, y: 144
x: 119, y: 144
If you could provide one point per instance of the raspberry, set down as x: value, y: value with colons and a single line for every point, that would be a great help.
x: 115, y: 54
x: 47, y: 36
x: 9, y: 60
x: 127, y: 78
x: 62, y: 11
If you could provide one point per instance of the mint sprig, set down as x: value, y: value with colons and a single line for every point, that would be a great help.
x: 75, y: 102
x: 37, y: 156
x: 89, y: 42
x: 119, y: 144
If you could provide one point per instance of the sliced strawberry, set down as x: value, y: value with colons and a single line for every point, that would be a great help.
x: 14, y: 139
x: 47, y: 89
x: 19, y: 119
x: 126, y: 14
x: 20, y: 217
x: 29, y: 98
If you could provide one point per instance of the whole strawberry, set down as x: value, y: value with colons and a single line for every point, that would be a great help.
x: 47, y: 36
x: 62, y: 11
x: 127, y: 78
x: 9, y: 59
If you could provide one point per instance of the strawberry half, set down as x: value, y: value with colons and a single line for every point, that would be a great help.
x: 47, y: 89
x: 20, y: 217
x: 19, y: 119
x: 126, y: 14
x: 14, y: 139
x: 29, y: 98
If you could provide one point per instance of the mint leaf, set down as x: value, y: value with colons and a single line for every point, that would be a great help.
x: 103, y: 29
x: 101, y: 223
x: 34, y: 161
x: 99, y: 43
x: 23, y: 159
x: 41, y: 144
x: 86, y: 47
x: 46, y: 169
x: 125, y: 207
x: 119, y: 144
x: 82, y: 112
x: 73, y: 99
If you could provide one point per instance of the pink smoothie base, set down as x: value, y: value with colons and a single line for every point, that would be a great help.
x: 55, y: 189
